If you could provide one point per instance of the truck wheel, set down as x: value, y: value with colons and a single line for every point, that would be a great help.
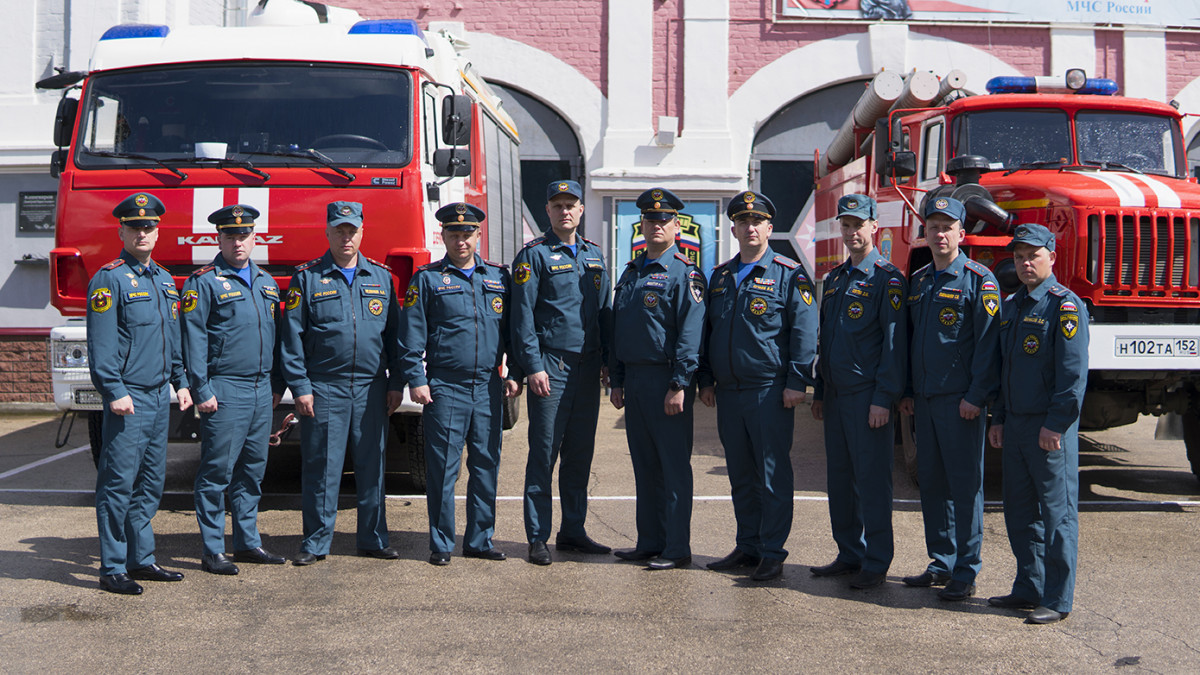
x: 408, y: 452
x: 1191, y: 439
x: 96, y: 434
x: 908, y: 443
x: 511, y: 412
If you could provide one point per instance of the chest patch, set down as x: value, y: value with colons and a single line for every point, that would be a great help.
x: 758, y: 306
x: 855, y: 310
x: 1031, y: 344
x: 498, y: 305
x: 948, y: 316
x: 375, y: 306
x: 650, y: 299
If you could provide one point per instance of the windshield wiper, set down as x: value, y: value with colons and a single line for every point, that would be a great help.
x: 144, y: 158
x: 221, y: 164
x: 1105, y: 166
x: 309, y: 154
x: 1040, y: 164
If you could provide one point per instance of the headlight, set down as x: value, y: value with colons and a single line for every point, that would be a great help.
x: 69, y: 354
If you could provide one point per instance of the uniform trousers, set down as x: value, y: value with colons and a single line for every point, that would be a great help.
x: 130, y: 478
x: 562, y: 424
x: 1041, y: 511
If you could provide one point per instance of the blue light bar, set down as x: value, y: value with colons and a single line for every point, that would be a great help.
x: 1008, y: 84
x: 387, y: 27
x: 135, y: 30
x: 1098, y: 86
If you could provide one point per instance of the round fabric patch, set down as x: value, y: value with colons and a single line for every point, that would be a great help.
x: 651, y: 299
x: 855, y: 310
x: 948, y: 316
x: 522, y: 273
x: 375, y: 306
x: 411, y: 295
x: 293, y: 299
x: 498, y: 305
x: 101, y: 300
x: 596, y: 280
x: 1031, y: 344
x: 190, y: 298
x: 758, y: 307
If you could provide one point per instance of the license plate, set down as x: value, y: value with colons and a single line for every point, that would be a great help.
x: 1150, y: 346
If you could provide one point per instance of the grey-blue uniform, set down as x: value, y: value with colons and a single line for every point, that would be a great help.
x: 954, y: 358
x: 760, y: 337
x: 454, y: 334
x: 338, y: 342
x: 863, y: 355
x: 133, y: 350
x: 561, y: 309
x: 228, y: 348
x: 1044, y: 367
x: 658, y: 321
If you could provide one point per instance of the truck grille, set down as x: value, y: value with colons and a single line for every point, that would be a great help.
x: 1141, y: 254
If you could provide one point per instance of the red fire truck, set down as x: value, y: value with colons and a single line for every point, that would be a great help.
x: 286, y: 119
x: 1107, y: 174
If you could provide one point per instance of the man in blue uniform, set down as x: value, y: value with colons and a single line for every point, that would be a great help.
x: 338, y: 341
x: 229, y: 310
x: 453, y: 336
x: 134, y: 356
x: 761, y: 341
x: 1044, y: 357
x: 562, y: 304
x: 658, y: 321
x: 863, y: 347
x: 955, y: 371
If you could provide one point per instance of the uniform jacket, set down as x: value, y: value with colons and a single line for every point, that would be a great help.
x: 559, y: 302
x: 864, y: 331
x: 955, y: 321
x: 1044, y: 355
x: 459, y: 324
x: 658, y: 317
x: 228, y: 327
x: 333, y: 331
x: 763, y: 332
x: 133, y: 328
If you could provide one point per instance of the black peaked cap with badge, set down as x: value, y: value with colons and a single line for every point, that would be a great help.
x: 234, y: 219
x: 659, y: 204
x: 460, y: 217
x: 750, y: 203
x: 140, y: 209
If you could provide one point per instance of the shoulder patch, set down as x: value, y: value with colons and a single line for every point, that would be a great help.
x: 113, y: 264
x: 1058, y: 290
x: 682, y: 257
x: 428, y: 266
x: 589, y: 241
x: 787, y: 262
x: 377, y: 263
x: 977, y: 268
x: 887, y: 265
x: 534, y: 242
x: 923, y: 270
x: 310, y: 263
x: 161, y: 266
x: 202, y: 270
x: 495, y: 264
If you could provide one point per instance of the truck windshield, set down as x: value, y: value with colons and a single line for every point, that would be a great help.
x: 1138, y: 141
x: 1013, y: 138
x: 357, y: 116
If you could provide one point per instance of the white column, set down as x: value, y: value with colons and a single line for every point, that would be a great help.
x: 1145, y: 64
x: 1071, y: 48
x: 630, y: 88
x: 17, y: 34
x: 706, y: 69
x: 889, y: 47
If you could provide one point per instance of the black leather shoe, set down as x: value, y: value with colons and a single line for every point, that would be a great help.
x: 120, y: 583
x: 582, y: 544
x: 387, y: 553
x: 835, y: 569
x: 539, y: 554
x: 153, y: 572
x: 767, y: 570
x: 488, y: 554
x: 259, y: 556
x: 733, y: 561
x: 305, y: 558
x: 217, y: 564
x: 865, y: 579
x: 1010, y: 601
x: 439, y: 558
x: 635, y: 555
x: 661, y: 563
x: 926, y: 579
x: 957, y: 590
x: 1045, y: 615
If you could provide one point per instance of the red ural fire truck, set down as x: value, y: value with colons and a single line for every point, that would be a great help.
x: 286, y: 119
x: 1107, y: 174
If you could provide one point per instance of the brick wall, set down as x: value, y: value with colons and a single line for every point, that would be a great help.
x: 1110, y: 57
x: 1183, y: 66
x: 24, y: 370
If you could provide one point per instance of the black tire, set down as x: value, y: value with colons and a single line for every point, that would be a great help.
x: 1191, y: 439
x: 511, y: 412
x: 407, y: 453
x: 96, y: 434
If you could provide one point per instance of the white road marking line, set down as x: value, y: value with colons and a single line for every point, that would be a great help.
x: 44, y: 460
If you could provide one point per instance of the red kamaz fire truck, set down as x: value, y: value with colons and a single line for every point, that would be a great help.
x: 1107, y: 174
x: 286, y: 119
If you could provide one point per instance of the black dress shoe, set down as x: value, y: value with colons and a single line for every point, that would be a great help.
x: 865, y: 579
x: 926, y: 579
x: 539, y: 554
x: 635, y: 555
x: 305, y: 558
x: 957, y: 590
x: 767, y: 570
x: 120, y: 583
x: 835, y: 569
x: 661, y: 563
x: 218, y: 563
x: 487, y: 554
x: 153, y: 572
x: 439, y: 558
x: 582, y: 544
x: 387, y: 553
x: 1045, y: 615
x: 259, y: 556
x: 733, y: 561
x: 1010, y: 601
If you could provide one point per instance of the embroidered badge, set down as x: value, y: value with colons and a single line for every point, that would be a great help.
x: 596, y: 280
x: 522, y: 273
x: 498, y: 305
x: 697, y: 286
x: 855, y: 310
x: 190, y: 298
x: 948, y: 316
x: 758, y: 307
x: 174, y: 311
x: 1031, y: 344
x: 991, y: 303
x: 1069, y: 323
x: 293, y: 298
x: 650, y: 299
x: 375, y: 306
x: 411, y: 295
x: 101, y: 300
x: 806, y: 294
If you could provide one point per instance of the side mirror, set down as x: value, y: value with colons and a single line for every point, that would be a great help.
x: 450, y: 162
x: 58, y: 163
x: 64, y: 121
x: 903, y: 164
x: 456, y: 120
